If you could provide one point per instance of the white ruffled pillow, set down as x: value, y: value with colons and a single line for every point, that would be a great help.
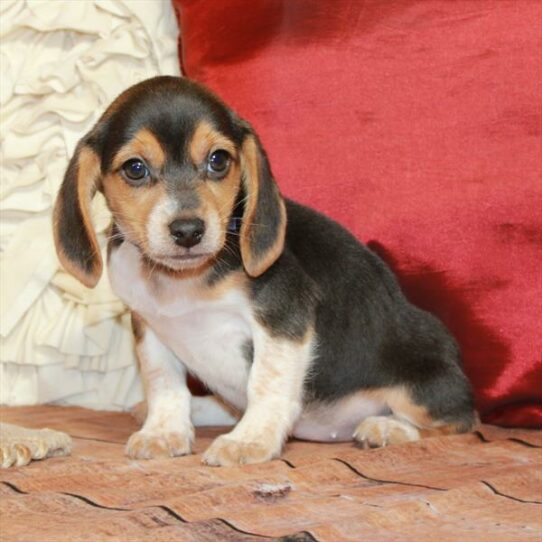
x: 62, y: 63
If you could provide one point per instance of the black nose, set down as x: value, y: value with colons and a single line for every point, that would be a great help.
x: 187, y: 232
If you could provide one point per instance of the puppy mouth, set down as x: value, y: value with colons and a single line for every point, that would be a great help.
x: 186, y: 257
x: 187, y: 260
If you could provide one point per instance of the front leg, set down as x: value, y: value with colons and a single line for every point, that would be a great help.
x: 274, y: 394
x: 167, y: 431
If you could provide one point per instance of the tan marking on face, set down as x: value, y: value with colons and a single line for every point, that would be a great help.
x: 220, y: 195
x: 131, y: 206
x: 144, y: 145
x: 88, y: 177
x: 217, y: 197
x: 255, y: 266
x: 216, y: 204
x: 207, y: 139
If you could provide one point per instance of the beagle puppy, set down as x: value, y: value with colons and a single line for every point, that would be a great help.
x: 276, y: 308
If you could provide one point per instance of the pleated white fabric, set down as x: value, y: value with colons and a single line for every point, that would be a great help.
x: 62, y: 63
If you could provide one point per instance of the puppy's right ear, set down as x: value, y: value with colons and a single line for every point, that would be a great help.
x: 75, y: 239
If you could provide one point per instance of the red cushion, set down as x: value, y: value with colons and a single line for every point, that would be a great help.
x: 417, y: 125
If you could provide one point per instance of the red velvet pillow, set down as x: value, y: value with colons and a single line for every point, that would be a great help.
x: 417, y: 125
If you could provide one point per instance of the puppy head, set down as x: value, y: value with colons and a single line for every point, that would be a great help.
x: 174, y: 164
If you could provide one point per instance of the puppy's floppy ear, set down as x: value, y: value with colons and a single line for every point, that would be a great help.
x: 263, y: 226
x: 75, y: 239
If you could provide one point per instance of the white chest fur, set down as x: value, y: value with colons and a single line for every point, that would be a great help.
x: 208, y: 335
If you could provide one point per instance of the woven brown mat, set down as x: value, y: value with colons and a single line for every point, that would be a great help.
x: 485, y: 486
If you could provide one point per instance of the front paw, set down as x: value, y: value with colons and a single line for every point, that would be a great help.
x: 152, y: 445
x: 19, y: 446
x: 225, y: 451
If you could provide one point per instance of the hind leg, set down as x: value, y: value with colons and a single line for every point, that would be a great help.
x: 416, y: 415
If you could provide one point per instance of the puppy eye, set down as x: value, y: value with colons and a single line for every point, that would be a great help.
x: 135, y: 171
x: 218, y: 163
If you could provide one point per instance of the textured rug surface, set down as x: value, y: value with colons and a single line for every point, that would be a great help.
x: 485, y: 486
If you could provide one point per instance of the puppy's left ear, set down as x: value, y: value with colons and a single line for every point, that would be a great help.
x: 263, y: 226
